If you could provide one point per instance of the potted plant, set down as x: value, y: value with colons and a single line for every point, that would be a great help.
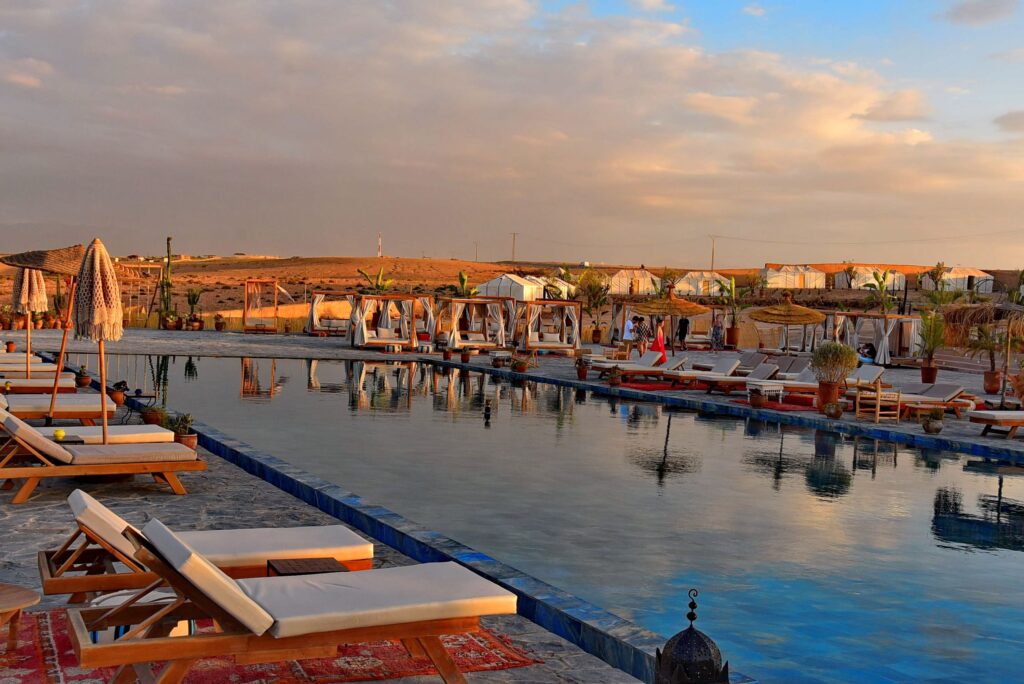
x: 833, y: 410
x: 757, y: 398
x: 520, y: 364
x: 192, y: 295
x: 594, y: 288
x: 169, y: 321
x: 18, y: 323
x: 615, y: 377
x: 153, y: 415
x: 729, y: 298
x: 82, y: 378
x: 5, y: 316
x: 497, y: 362
x: 218, y: 322
x: 116, y: 393
x: 932, y: 421
x: 581, y: 368
x: 181, y: 424
x: 37, y: 321
x: 986, y: 343
x: 11, y: 346
x: 831, y: 362
x: 446, y: 354
x: 932, y: 339
x: 465, y: 355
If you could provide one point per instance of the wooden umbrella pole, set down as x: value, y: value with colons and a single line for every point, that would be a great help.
x: 1006, y: 365
x: 63, y: 346
x: 103, y: 389
x: 28, y: 344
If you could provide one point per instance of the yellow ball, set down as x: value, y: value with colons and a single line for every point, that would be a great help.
x: 59, y: 435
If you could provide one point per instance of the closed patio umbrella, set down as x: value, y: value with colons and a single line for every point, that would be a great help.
x: 29, y: 298
x: 98, y: 315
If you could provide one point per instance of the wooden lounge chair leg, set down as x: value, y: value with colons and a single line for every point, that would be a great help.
x: 8, y: 484
x: 174, y: 672
x: 174, y: 483
x: 415, y: 648
x: 442, y: 660
x: 1012, y: 432
x: 25, y: 491
x: 987, y: 429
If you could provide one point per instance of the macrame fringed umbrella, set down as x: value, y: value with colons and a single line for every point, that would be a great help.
x: 787, y: 313
x: 98, y: 315
x: 29, y: 298
x: 960, y: 319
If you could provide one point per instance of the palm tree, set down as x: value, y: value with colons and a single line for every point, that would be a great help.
x: 850, y: 271
x: 463, y: 289
x: 593, y: 287
x: 1017, y: 294
x: 879, y: 296
x: 378, y: 284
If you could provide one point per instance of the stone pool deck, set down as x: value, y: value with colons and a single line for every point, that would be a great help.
x: 227, y: 497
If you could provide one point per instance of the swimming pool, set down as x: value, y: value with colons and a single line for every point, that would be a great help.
x: 818, y: 557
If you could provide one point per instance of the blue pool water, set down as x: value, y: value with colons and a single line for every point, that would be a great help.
x: 819, y: 558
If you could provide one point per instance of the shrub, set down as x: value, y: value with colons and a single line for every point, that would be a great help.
x: 832, y: 362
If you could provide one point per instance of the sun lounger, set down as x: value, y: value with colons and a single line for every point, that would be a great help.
x: 635, y: 370
x: 81, y: 407
x: 116, y: 434
x: 38, y: 385
x: 648, y: 360
x: 724, y: 367
x: 865, y: 375
x: 29, y: 456
x: 999, y: 422
x: 98, y: 558
x: 46, y: 372
x: 269, y: 619
x: 794, y: 367
x: 748, y: 361
x: 727, y: 384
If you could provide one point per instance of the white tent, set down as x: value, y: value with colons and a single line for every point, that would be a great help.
x: 634, y: 281
x: 511, y: 285
x: 863, y: 275
x: 793, y: 277
x: 700, y: 283
x: 565, y: 290
x: 961, y: 278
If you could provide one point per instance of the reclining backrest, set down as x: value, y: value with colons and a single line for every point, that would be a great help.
x: 675, y: 363
x: 799, y: 364
x: 28, y: 435
x: 207, y: 577
x: 944, y: 392
x: 725, y: 366
x: 807, y: 375
x: 649, y: 358
x: 763, y: 372
x: 783, y: 362
x: 106, y: 524
x: 867, y: 374
x: 751, y: 359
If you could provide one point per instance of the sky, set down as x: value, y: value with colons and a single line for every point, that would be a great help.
x: 614, y: 131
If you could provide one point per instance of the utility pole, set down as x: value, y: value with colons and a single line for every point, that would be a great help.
x: 380, y: 247
x: 712, y: 251
x: 476, y: 251
x: 514, y: 236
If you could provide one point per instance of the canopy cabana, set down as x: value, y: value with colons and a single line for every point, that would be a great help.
x: 511, y: 285
x: 891, y: 334
x: 700, y: 284
x: 559, y: 330
x: 329, y: 313
x: 374, y: 323
x: 865, y: 275
x: 961, y: 278
x: 259, y: 305
x: 793, y: 277
x: 633, y: 281
x: 476, y: 321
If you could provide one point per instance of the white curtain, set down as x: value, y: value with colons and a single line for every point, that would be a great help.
x: 406, y: 308
x: 366, y: 308
x: 454, y: 338
x: 837, y: 324
x: 312, y: 381
x: 358, y: 313
x: 884, y: 330
x: 511, y: 316
x: 384, y: 321
x: 855, y: 338
x: 532, y: 315
x: 914, y: 335
x: 574, y: 326
x: 428, y: 317
x: 784, y: 338
x: 313, y: 320
x: 494, y: 316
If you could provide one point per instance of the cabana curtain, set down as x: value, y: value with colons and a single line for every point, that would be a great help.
x: 313, y: 321
x: 384, y: 320
x: 574, y: 326
x: 407, y: 306
x: 884, y: 328
x: 511, y: 316
x: 494, y: 316
x: 532, y: 316
x: 366, y: 308
x: 428, y: 316
x: 454, y: 337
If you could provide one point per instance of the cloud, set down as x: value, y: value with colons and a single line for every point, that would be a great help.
x: 755, y: 10
x: 26, y: 72
x: 957, y: 91
x: 1011, y: 122
x: 903, y: 105
x: 1014, y: 55
x: 980, y: 12
x: 307, y: 127
x: 653, y: 5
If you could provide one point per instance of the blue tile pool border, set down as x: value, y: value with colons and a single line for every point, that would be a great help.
x: 622, y: 644
x: 808, y: 420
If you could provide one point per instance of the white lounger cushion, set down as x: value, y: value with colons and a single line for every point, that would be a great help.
x: 37, y: 373
x: 21, y: 430
x: 107, y: 525
x: 66, y: 403
x: 208, y: 578
x: 104, y: 454
x: 116, y: 434
x: 997, y: 415
x: 412, y: 593
x: 38, y: 383
x: 236, y: 548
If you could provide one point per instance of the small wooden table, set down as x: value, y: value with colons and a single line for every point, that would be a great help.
x: 14, y: 599
x: 286, y: 567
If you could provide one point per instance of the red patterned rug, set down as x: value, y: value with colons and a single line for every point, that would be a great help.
x: 45, y: 656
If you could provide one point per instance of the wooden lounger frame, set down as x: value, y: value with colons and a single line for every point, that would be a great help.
x: 1000, y: 426
x: 35, y: 390
x: 89, y: 568
x: 148, y: 644
x: 19, y: 461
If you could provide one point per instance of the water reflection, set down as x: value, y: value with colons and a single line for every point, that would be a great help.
x: 999, y: 525
x: 252, y: 386
x: 665, y: 462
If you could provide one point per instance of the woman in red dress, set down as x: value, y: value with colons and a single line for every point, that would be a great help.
x: 659, y: 340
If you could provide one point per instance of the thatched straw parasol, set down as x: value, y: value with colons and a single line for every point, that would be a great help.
x: 670, y: 307
x: 787, y: 313
x: 29, y: 298
x: 961, y: 318
x: 62, y: 261
x: 98, y: 314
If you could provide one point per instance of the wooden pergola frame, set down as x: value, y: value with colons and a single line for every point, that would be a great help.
x: 410, y: 344
x: 327, y: 333
x: 246, y: 328
x: 471, y: 301
x: 550, y: 304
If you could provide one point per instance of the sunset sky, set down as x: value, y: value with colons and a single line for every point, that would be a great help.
x: 618, y: 131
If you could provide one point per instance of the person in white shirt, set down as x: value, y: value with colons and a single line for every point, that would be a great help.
x: 627, y: 335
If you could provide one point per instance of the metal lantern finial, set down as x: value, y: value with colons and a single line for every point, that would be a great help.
x: 690, y: 657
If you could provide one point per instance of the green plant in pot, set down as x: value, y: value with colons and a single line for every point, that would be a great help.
x: 520, y: 364
x: 219, y: 323
x: 986, y: 344
x: 833, y: 410
x: 153, y: 415
x: 932, y: 339
x: 615, y: 376
x: 832, y: 363
x: 82, y: 378
x: 932, y: 421
x: 757, y: 398
x: 192, y: 296
x: 730, y: 298
x: 181, y: 424
x: 581, y: 368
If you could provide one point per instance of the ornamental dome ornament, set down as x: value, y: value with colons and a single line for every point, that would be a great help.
x: 690, y: 657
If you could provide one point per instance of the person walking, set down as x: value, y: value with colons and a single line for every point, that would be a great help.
x: 682, y: 331
x: 642, y: 334
x: 628, y: 335
x: 717, y: 334
x: 659, y: 340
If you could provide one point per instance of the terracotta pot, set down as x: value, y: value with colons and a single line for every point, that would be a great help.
x: 446, y: 355
x: 581, y: 373
x: 929, y: 374
x: 595, y: 336
x: 520, y: 366
x: 179, y: 324
x: 54, y: 325
x: 82, y: 381
x: 195, y: 325
x: 116, y: 396
x: 828, y: 392
x: 151, y: 417
x: 465, y: 357
x: 932, y: 427
x: 732, y: 337
x: 287, y: 327
x: 614, y: 381
x: 11, y: 346
x: 498, y: 363
x: 191, y: 440
x: 18, y: 324
x: 993, y: 382
x: 39, y: 324
x: 834, y: 411
x: 219, y: 326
